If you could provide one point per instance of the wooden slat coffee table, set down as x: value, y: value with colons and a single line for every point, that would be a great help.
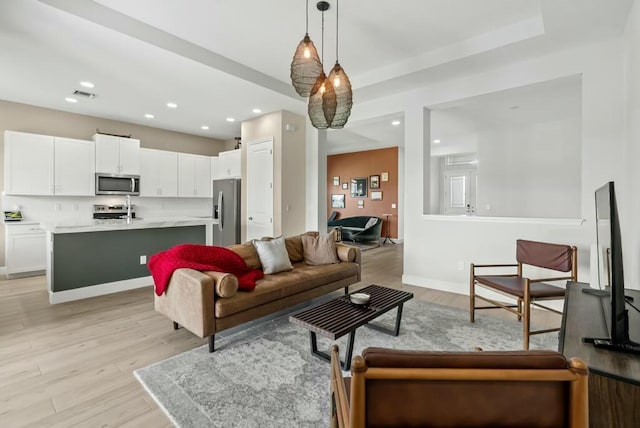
x: 337, y: 317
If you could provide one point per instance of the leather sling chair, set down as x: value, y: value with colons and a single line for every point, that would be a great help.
x: 527, y: 291
x: 394, y: 388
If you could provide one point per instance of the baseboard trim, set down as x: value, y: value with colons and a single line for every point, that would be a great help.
x: 99, y: 289
x: 3, y: 271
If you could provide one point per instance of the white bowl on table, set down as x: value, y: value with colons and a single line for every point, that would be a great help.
x: 359, y: 298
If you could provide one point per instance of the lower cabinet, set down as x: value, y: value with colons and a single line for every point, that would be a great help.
x: 25, y: 248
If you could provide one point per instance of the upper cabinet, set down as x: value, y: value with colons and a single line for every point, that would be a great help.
x: 229, y: 164
x: 158, y: 173
x: 45, y: 165
x: 194, y: 176
x: 117, y: 155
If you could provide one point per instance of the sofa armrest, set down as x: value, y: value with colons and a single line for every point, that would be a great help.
x: 189, y: 301
x: 350, y: 253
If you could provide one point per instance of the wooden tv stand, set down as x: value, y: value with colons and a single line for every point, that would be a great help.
x: 614, y: 377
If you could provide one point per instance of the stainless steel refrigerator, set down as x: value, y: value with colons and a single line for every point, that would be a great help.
x: 226, y: 209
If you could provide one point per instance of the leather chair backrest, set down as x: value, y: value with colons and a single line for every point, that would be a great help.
x: 414, y: 402
x: 544, y: 255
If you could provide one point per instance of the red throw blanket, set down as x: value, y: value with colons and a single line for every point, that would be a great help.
x: 202, y: 258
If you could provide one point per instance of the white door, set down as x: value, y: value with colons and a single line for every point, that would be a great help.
x: 74, y: 167
x: 459, y: 192
x: 260, y: 189
x: 28, y: 163
x: 202, y: 176
x: 186, y: 175
x: 129, y: 156
x: 107, y: 154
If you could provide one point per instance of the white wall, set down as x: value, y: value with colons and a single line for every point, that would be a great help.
x: 630, y: 219
x: 436, y: 245
x: 530, y: 171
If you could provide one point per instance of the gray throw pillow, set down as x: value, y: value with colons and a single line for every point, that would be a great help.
x: 320, y: 250
x: 273, y: 255
x: 372, y: 222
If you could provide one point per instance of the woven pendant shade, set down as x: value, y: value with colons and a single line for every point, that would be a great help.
x: 322, y: 103
x: 305, y: 67
x: 344, y: 96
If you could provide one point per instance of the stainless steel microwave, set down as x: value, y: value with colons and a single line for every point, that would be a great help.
x: 115, y: 184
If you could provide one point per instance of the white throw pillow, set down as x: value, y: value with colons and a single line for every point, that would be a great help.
x: 273, y: 255
x: 372, y: 222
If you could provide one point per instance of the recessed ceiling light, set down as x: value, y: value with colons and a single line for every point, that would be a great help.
x: 71, y: 100
x: 257, y: 110
x: 87, y: 84
x: 204, y: 127
x: 230, y: 119
x: 514, y: 107
x: 149, y: 116
x: 395, y: 123
x: 172, y: 105
x: 436, y: 141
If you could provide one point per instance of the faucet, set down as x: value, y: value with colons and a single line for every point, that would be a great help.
x: 128, y: 205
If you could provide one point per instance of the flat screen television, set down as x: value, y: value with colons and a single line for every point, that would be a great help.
x: 610, y: 273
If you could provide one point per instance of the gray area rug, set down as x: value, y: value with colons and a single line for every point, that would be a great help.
x: 266, y: 376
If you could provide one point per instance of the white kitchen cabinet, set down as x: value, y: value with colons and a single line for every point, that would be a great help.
x: 117, y: 155
x: 74, y: 167
x: 158, y: 173
x: 46, y: 165
x: 25, y: 248
x: 28, y: 161
x: 194, y: 176
x: 229, y: 164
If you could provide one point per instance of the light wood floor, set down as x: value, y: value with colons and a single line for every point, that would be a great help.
x: 71, y: 364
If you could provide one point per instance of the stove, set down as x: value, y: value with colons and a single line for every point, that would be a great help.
x: 106, y: 212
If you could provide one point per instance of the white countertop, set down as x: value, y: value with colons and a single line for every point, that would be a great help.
x: 28, y: 222
x: 91, y: 225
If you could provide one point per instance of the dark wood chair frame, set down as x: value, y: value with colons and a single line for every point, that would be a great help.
x: 524, y: 305
x: 348, y: 410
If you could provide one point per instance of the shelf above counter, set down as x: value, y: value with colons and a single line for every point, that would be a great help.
x: 81, y: 226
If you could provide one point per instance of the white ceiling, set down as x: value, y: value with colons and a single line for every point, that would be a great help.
x: 223, y: 58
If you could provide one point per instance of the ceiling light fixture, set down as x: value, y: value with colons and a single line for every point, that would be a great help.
x: 257, y: 110
x: 436, y: 141
x: 204, y: 127
x: 305, y: 66
x: 87, y: 84
x: 322, y: 101
x: 71, y: 100
x: 172, y: 105
x: 149, y: 116
x: 395, y: 123
x: 230, y: 119
x: 342, y: 87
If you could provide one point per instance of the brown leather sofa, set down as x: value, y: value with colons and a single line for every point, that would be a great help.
x: 206, y: 303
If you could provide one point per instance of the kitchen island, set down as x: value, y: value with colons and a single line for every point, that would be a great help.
x: 96, y: 257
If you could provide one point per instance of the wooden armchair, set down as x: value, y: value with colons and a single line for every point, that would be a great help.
x: 393, y: 388
x: 527, y: 291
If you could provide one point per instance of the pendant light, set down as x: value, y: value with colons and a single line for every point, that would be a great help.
x: 306, y: 65
x: 322, y: 101
x: 342, y: 88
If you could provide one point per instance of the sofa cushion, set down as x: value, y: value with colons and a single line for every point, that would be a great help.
x: 372, y: 222
x: 248, y: 252
x: 273, y: 255
x: 226, y: 284
x: 273, y: 287
x: 294, y: 247
x: 320, y: 250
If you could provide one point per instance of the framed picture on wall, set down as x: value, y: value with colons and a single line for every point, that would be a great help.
x: 345, y: 186
x: 361, y: 203
x: 376, y: 196
x: 385, y: 176
x: 336, y: 181
x: 337, y: 201
x: 374, y: 181
x: 358, y: 187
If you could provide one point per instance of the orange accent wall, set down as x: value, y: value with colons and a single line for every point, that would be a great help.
x: 360, y: 165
